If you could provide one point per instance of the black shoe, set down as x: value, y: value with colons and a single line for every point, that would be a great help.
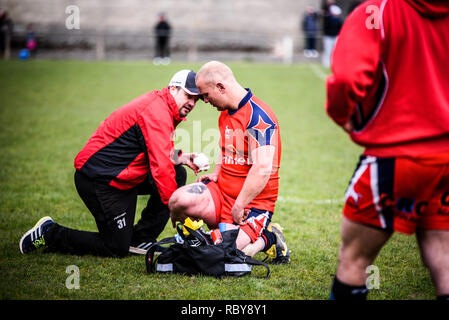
x: 278, y: 253
x: 34, y: 238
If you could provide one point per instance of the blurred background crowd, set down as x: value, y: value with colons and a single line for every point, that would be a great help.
x: 166, y: 30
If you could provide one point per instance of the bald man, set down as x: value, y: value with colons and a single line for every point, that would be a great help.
x: 243, y: 188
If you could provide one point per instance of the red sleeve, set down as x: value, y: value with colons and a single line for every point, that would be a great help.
x: 354, y: 61
x: 157, y: 127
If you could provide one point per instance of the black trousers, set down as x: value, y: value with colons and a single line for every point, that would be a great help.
x: 114, y: 211
x: 162, y: 47
x: 310, y: 43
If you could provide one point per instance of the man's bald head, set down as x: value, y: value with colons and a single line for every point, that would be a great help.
x: 214, y: 72
x: 218, y: 86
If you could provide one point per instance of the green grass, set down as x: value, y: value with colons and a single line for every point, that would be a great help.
x: 50, y: 108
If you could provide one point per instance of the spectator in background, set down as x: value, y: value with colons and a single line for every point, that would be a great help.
x: 31, y: 41
x: 310, y: 29
x: 6, y: 27
x: 162, y: 32
x: 325, y: 4
x: 331, y: 29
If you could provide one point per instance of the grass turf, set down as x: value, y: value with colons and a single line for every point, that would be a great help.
x: 50, y: 108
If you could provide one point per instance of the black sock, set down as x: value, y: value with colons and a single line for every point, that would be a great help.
x: 341, y: 291
x: 443, y: 297
x: 269, y: 238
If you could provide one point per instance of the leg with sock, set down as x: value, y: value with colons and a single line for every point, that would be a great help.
x: 359, y: 248
x: 342, y: 291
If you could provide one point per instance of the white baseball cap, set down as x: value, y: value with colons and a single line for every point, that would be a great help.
x: 186, y: 80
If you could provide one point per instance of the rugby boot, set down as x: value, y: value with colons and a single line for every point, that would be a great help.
x: 278, y: 253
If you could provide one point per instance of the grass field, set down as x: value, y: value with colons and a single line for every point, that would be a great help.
x: 50, y: 108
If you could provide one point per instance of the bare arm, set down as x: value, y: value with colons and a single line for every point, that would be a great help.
x: 255, y: 182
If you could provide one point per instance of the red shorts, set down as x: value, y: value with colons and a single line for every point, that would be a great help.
x: 400, y: 194
x: 256, y: 221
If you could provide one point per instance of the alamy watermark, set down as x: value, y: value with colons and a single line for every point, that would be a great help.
x: 188, y: 142
x: 73, y: 280
x: 373, y: 280
x: 235, y: 147
x: 373, y: 20
x: 73, y: 20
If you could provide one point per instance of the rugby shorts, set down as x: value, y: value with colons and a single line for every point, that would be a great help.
x: 256, y: 222
x: 400, y: 194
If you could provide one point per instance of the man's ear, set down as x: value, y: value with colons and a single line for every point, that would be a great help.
x: 220, y: 86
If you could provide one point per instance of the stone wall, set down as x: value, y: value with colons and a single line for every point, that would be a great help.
x: 203, y: 24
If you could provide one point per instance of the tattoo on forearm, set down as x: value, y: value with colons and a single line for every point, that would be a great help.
x: 197, y: 188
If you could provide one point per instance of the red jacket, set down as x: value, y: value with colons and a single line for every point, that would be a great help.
x: 391, y: 77
x: 133, y: 141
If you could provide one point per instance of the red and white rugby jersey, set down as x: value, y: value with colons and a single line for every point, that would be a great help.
x: 252, y: 125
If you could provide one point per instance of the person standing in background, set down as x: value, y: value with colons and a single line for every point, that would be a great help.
x: 31, y: 41
x: 331, y: 29
x: 6, y: 27
x: 310, y: 30
x: 162, y: 31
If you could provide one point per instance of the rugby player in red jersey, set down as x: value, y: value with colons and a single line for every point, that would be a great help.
x: 242, y: 190
x: 390, y: 91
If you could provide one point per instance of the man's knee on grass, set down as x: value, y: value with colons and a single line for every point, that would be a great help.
x: 117, y: 249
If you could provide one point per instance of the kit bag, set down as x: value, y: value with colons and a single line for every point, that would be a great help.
x: 197, y: 255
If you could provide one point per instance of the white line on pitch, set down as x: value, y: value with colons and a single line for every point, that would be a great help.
x: 310, y: 201
x: 318, y: 71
